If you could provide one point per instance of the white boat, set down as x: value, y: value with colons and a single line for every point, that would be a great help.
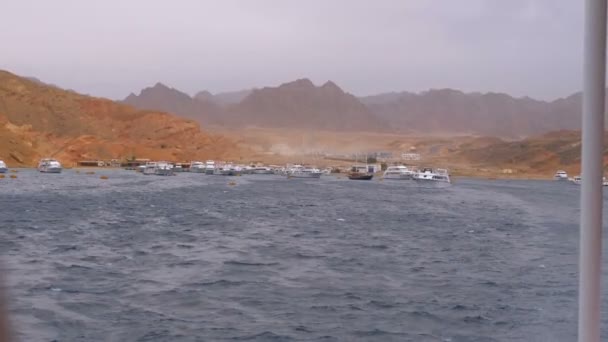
x: 159, y: 168
x: 560, y: 175
x: 432, y: 175
x: 49, y: 165
x: 198, y: 167
x: 300, y: 171
x: 227, y: 170
x: 245, y: 169
x: 577, y: 180
x: 399, y: 172
x: 262, y: 170
x: 3, y: 167
x: 209, y: 167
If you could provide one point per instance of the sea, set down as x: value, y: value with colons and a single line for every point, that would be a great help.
x: 197, y: 257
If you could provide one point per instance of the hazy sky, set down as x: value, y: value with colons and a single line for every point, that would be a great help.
x: 114, y: 47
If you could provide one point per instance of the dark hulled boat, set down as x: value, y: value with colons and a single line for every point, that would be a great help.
x: 360, y: 176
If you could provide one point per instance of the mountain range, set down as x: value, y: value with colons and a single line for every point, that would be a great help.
x: 302, y: 105
x: 40, y: 120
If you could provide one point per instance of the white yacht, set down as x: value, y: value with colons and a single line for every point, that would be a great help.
x: 245, y: 169
x: 197, y: 167
x: 262, y: 170
x: 159, y: 168
x: 49, y: 165
x: 227, y: 170
x: 209, y: 167
x: 400, y: 172
x: 560, y: 175
x: 3, y: 167
x: 299, y: 171
x: 432, y: 175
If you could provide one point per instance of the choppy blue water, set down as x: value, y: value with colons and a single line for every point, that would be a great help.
x: 192, y: 258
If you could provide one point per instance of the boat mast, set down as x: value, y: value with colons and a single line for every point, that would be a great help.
x: 594, y: 81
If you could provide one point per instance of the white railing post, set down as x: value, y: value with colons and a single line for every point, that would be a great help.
x: 590, y: 262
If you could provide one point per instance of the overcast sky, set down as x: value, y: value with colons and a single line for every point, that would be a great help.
x: 113, y: 47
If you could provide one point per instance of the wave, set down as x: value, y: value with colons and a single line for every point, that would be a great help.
x: 264, y: 336
x: 221, y: 282
x: 245, y: 263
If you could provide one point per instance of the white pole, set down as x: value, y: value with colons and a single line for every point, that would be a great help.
x: 590, y: 262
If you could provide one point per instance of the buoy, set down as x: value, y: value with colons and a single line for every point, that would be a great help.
x: 13, y: 176
x: 103, y: 177
x: 232, y: 183
x: 14, y: 170
x: 91, y: 173
x: 1, y: 176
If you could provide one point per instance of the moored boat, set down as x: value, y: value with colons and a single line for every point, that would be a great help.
x: 159, y: 168
x: 3, y: 167
x: 49, y: 165
x: 360, y: 172
x: 299, y: 171
x: 262, y: 170
x: 398, y: 172
x: 227, y: 170
x: 432, y: 175
x: 197, y: 167
x: 578, y: 180
x: 209, y: 167
x: 560, y: 175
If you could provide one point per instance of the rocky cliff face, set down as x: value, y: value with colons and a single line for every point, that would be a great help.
x: 38, y: 120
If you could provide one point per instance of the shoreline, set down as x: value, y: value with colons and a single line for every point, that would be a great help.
x: 455, y: 175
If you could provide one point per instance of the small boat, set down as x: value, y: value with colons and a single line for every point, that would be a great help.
x: 399, y: 172
x: 432, y: 175
x: 299, y: 171
x: 181, y: 167
x: 245, y: 169
x: 3, y: 167
x: 560, y: 175
x: 159, y: 168
x: 49, y: 165
x: 209, y: 167
x: 360, y: 176
x: 578, y: 181
x: 227, y: 170
x: 360, y: 173
x: 327, y: 171
x: 262, y: 170
x: 198, y: 167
